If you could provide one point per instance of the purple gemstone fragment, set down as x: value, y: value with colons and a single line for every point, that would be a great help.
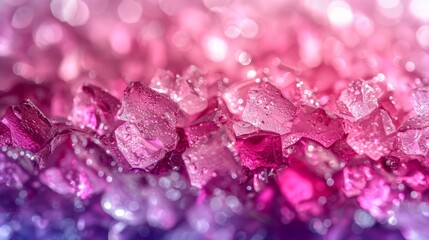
x: 145, y: 143
x: 95, y: 109
x: 168, y: 198
x: 202, y: 127
x: 209, y: 158
x: 78, y: 166
x: 140, y: 103
x: 260, y: 149
x: 5, y: 138
x: 158, y: 201
x: 29, y: 127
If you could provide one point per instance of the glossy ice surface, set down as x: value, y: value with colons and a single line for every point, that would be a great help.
x: 214, y: 119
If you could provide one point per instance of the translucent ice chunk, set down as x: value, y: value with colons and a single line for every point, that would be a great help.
x: 16, y: 167
x: 191, y: 91
x: 145, y: 143
x: 78, y: 165
x: 164, y: 82
x: 357, y: 101
x: 267, y: 109
x: 209, y: 158
x: 29, y: 127
x: 203, y: 126
x: 421, y: 101
x: 141, y: 103
x: 372, y: 135
x: 413, y: 136
x: 94, y: 108
x: 316, y: 124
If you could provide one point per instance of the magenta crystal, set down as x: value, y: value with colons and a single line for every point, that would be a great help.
x: 144, y: 143
x: 413, y: 136
x: 203, y: 126
x: 210, y: 157
x: 5, y: 138
x: 372, y: 135
x: 94, y: 108
x: 267, y: 109
x: 214, y: 119
x: 140, y: 103
x: 29, y: 127
x: 302, y: 191
x: 379, y: 197
x: 357, y: 101
x: 77, y: 166
x: 191, y: 91
x: 260, y: 149
x: 421, y: 101
x: 317, y: 124
x: 150, y: 130
x: 415, y: 175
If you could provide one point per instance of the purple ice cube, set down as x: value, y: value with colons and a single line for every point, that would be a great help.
x: 78, y: 165
x: 209, y: 158
x: 141, y: 103
x: 29, y: 127
x: 203, y: 126
x: 94, y: 108
x: 145, y: 143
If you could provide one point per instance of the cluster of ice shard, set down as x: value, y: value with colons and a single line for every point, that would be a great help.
x: 150, y: 162
x: 214, y: 119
